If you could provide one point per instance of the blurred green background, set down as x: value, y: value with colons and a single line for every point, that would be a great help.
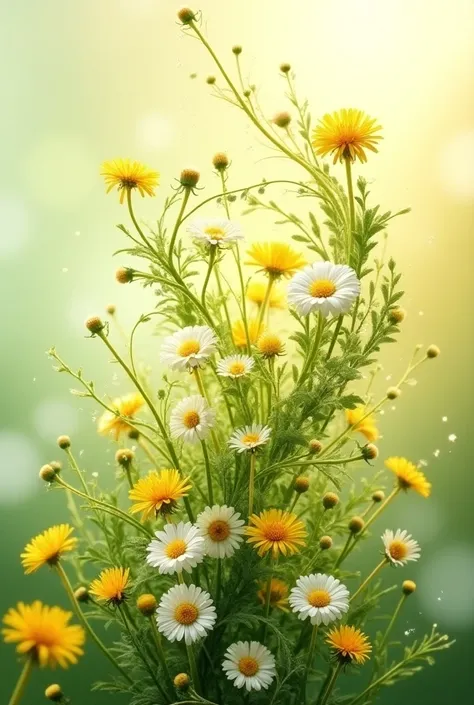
x: 92, y: 80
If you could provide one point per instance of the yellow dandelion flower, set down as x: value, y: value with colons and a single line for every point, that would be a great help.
x: 346, y: 134
x: 408, y: 475
x: 238, y: 332
x: 276, y: 531
x: 278, y: 594
x: 366, y: 426
x: 256, y: 291
x: 110, y: 585
x: 127, y: 175
x: 270, y: 345
x: 44, y: 633
x: 158, y: 493
x: 349, y: 644
x: 46, y: 548
x: 277, y: 259
x: 112, y: 423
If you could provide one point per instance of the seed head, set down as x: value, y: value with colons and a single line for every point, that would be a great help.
x: 393, y: 392
x: 186, y: 15
x: 285, y: 68
x: 182, y: 681
x: 94, y: 325
x: 124, y: 275
x: 314, y: 446
x: 53, y: 692
x: 82, y: 594
x: 378, y: 496
x: 64, y: 442
x: 124, y: 457
x: 370, y: 451
x: 47, y: 473
x: 220, y: 161
x: 408, y: 587
x: 282, y: 119
x: 356, y: 525
x: 433, y: 351
x: 301, y: 484
x: 397, y: 315
x: 330, y: 500
x: 325, y: 543
x: 189, y: 178
x: 147, y: 604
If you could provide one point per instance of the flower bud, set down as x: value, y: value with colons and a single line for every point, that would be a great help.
x: 285, y: 68
x: 325, y: 543
x: 186, y: 15
x: 124, y: 275
x: 237, y: 49
x: 397, y: 315
x: 47, y: 473
x: 211, y: 80
x: 64, y: 442
x: 408, y: 586
x: 110, y: 309
x: 220, y: 161
x: 56, y: 465
x: 189, y: 178
x: 433, y: 351
x: 182, y: 681
x: 94, y: 325
x: 82, y: 594
x: 147, y: 604
x: 134, y: 434
x: 378, y: 496
x: 247, y: 93
x: 282, y: 119
x: 124, y: 457
x: 370, y: 451
x: 330, y: 500
x: 314, y: 446
x: 356, y: 525
x: 393, y: 392
x: 301, y: 484
x: 53, y: 692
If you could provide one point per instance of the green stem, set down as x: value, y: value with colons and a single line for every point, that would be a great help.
x: 251, y: 482
x: 218, y: 580
x: 187, y: 193
x: 307, y: 367
x: 372, y: 575
x: 193, y: 668
x: 210, y: 493
x: 335, y: 336
x: 212, y: 257
x: 309, y: 661
x: 263, y: 307
x: 268, y: 601
x: 83, y: 619
x: 331, y: 683
x: 21, y: 682
x: 350, y: 194
x: 135, y: 222
x: 343, y: 551
x: 392, y: 622
x: 160, y: 651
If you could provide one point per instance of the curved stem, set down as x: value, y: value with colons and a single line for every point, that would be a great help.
x: 210, y: 493
x: 312, y: 354
x: 350, y: 194
x: 372, y: 575
x: 251, y: 482
x: 83, y: 619
x: 331, y: 683
x: 392, y: 621
x: 309, y: 661
x: 335, y: 336
x: 193, y: 668
x: 160, y: 651
x: 263, y: 307
x: 134, y: 221
x: 179, y: 220
x: 21, y: 682
x: 212, y: 257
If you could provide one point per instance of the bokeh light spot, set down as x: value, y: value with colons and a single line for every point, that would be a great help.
x: 20, y: 462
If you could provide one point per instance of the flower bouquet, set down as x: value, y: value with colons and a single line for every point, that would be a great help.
x: 219, y: 559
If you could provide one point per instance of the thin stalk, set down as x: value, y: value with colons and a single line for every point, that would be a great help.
x: 193, y: 668
x: 21, y: 683
x: 187, y: 193
x: 331, y: 683
x: 83, y: 619
x: 337, y: 330
x: 268, y: 599
x: 210, y: 493
x: 350, y: 195
x: 392, y: 621
x: 160, y: 651
x: 263, y: 307
x: 218, y: 580
x: 309, y: 661
x: 212, y: 257
x: 372, y: 575
x: 312, y: 353
x: 135, y: 222
x: 251, y: 482
x: 344, y: 550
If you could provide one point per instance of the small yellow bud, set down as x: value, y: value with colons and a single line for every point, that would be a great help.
x: 189, y: 178
x: 64, y: 442
x: 285, y: 68
x: 82, y: 594
x: 330, y: 500
x: 370, y: 451
x: 211, y: 80
x: 378, y: 496
x: 124, y: 457
x: 325, y: 543
x: 433, y: 351
x: 301, y: 484
x: 124, y: 275
x: 356, y: 525
x: 393, y: 392
x: 314, y: 446
x: 397, y: 315
x: 53, y: 692
x: 56, y: 465
x: 282, y: 119
x: 186, y: 15
x: 94, y: 325
x: 270, y: 345
x: 147, y: 604
x: 110, y: 309
x: 408, y: 587
x: 47, y: 473
x: 182, y: 681
x: 237, y: 49
x: 220, y: 161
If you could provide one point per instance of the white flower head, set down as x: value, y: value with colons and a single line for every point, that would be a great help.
x: 215, y: 231
x: 178, y: 547
x: 185, y: 612
x: 191, y: 419
x: 221, y: 528
x: 320, y: 597
x: 235, y: 366
x: 249, y: 664
x: 400, y: 547
x: 249, y: 437
x: 324, y: 287
x: 189, y: 347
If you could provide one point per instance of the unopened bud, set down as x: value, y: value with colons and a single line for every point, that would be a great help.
x: 408, y: 587
x: 53, y: 692
x: 314, y: 446
x: 82, y: 594
x: 301, y: 484
x: 124, y: 275
x: 433, y: 351
x: 110, y: 309
x: 378, y: 496
x: 282, y: 119
x: 325, y: 543
x: 182, y: 681
x: 94, y: 325
x: 134, y: 434
x: 124, y: 457
x: 211, y: 80
x: 189, y: 178
x: 356, y: 525
x: 393, y: 392
x: 237, y: 49
x: 397, y: 315
x: 285, y: 68
x: 47, y: 473
x: 147, y: 604
x: 56, y: 465
x: 186, y: 15
x: 220, y: 161
x: 370, y: 451
x: 330, y: 499
x: 64, y: 442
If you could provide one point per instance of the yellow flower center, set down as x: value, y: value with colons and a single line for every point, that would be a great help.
x: 398, y: 550
x: 276, y: 531
x: 270, y: 345
x: 250, y: 438
x: 186, y: 613
x: 215, y: 233
x: 189, y: 347
x: 175, y: 548
x: 275, y: 595
x: 322, y: 288
x: 218, y: 530
x: 248, y: 666
x: 236, y: 368
x: 319, y: 598
x: 191, y: 419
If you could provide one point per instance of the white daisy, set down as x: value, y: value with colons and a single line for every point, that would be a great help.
x: 215, y: 231
x: 320, y: 597
x: 250, y: 437
x: 400, y: 547
x: 222, y: 529
x: 178, y: 547
x: 185, y: 612
x: 191, y: 419
x: 189, y: 347
x: 235, y: 366
x: 324, y: 287
x: 249, y: 664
